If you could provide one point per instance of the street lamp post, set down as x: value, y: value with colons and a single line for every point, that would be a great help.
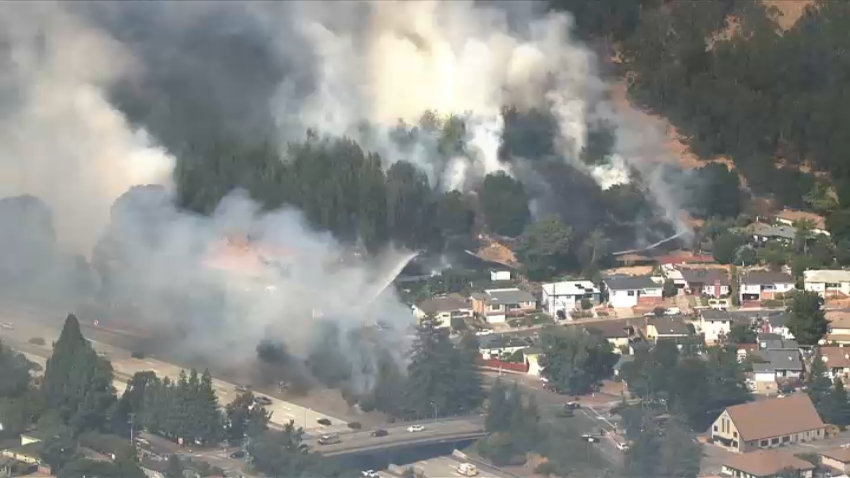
x: 435, y: 409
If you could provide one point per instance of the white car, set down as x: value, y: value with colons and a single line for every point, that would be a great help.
x: 590, y: 438
x: 8, y: 325
x: 369, y: 474
x: 484, y: 332
x: 415, y: 428
x: 622, y: 446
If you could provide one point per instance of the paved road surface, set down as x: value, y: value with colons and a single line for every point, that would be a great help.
x: 125, y: 366
x: 446, y: 467
x: 397, y: 433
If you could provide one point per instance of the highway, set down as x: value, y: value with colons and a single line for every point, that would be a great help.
x: 125, y: 366
x: 397, y: 435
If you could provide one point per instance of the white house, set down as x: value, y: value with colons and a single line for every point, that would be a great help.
x: 444, y: 309
x: 828, y: 283
x: 715, y: 325
x: 561, y: 297
x: 762, y: 285
x: 629, y: 291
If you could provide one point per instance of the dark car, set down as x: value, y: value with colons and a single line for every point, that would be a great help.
x: 137, y: 355
x: 323, y: 421
x: 237, y: 455
x: 261, y: 400
x: 380, y: 433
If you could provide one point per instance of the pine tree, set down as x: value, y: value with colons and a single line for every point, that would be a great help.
x: 77, y: 382
x: 208, y: 412
x: 817, y: 382
x: 175, y: 467
x: 498, y: 410
x: 834, y: 407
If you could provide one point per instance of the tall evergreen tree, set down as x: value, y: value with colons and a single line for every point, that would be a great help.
x: 77, y: 382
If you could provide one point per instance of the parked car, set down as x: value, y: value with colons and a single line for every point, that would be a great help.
x: 323, y: 421
x: 369, y: 474
x: 355, y: 425
x: 261, y: 400
x: 380, y: 433
x: 590, y: 438
x: 484, y: 332
x: 415, y: 428
x: 329, y: 439
x: 237, y: 454
x: 137, y: 355
x: 622, y: 446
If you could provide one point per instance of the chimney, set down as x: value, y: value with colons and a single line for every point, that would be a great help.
x: 717, y: 288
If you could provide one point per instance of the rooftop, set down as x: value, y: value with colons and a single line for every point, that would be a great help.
x: 775, y: 417
x: 710, y: 315
x: 630, y: 283
x: 838, y: 319
x: 435, y: 305
x: 829, y: 276
x: 766, y: 277
x: 508, y: 296
x: 610, y: 330
x: 835, y: 357
x: 570, y: 288
x: 839, y: 454
x: 783, y: 232
x: 705, y: 276
x: 670, y: 326
x: 794, y: 216
x: 783, y: 359
x: 764, y: 463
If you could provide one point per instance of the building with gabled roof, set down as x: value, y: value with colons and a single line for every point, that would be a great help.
x: 829, y: 284
x: 768, y: 423
x: 766, y: 464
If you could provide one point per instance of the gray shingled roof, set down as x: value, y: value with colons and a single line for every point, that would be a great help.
x: 436, y: 305
x: 512, y: 296
x: 630, y: 283
x: 766, y: 277
x: 784, y: 359
x: 705, y: 276
x: 670, y: 326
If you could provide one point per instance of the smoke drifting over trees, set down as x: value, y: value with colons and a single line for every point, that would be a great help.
x: 336, y: 137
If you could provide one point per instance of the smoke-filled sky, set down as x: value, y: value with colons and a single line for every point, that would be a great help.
x: 98, y: 97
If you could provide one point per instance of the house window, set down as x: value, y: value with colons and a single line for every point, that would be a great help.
x: 831, y: 285
x: 630, y: 293
x: 734, y: 434
x: 763, y: 443
x: 786, y: 439
x: 734, y: 444
x: 774, y: 441
x: 715, y: 427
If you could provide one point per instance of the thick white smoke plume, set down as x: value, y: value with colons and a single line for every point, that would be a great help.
x: 60, y: 138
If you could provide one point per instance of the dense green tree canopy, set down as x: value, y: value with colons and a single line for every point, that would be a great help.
x: 504, y: 203
x: 807, y: 319
x: 575, y: 362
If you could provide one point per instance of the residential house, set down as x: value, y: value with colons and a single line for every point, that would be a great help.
x: 764, y: 378
x: 829, y: 284
x: 29, y: 453
x: 497, y: 346
x: 618, y: 335
x: 496, y: 305
x: 715, y: 325
x: 500, y: 275
x: 671, y: 273
x: 710, y: 282
x: 766, y: 464
x: 559, y: 298
x: 768, y: 423
x: 444, y: 309
x: 630, y: 291
x: 764, y: 233
x: 667, y: 328
x: 776, y: 323
x: 769, y: 341
x: 762, y: 285
x: 837, y: 361
x: 785, y: 363
x: 790, y: 217
x: 838, y: 332
x: 836, y: 459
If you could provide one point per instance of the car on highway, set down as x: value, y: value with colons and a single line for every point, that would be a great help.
x: 323, y: 421
x: 369, y: 474
x: 237, y: 454
x: 415, y: 428
x: 590, y: 438
x: 380, y: 433
x: 329, y: 439
x: 572, y: 406
x: 261, y: 400
x: 622, y: 446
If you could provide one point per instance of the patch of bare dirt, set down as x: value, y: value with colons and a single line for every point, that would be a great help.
x: 495, y: 251
x: 789, y: 11
x: 630, y: 270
